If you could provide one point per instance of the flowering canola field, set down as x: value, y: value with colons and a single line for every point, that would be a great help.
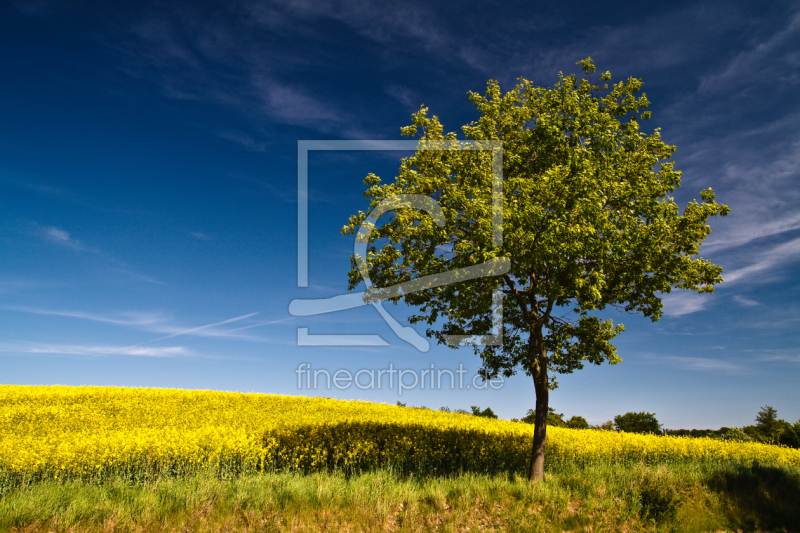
x: 94, y: 432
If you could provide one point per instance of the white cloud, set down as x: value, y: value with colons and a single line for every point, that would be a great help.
x: 95, y: 350
x: 200, y: 235
x: 139, y: 277
x: 405, y: 96
x: 57, y: 234
x: 153, y: 322
x: 773, y: 258
x: 130, y: 318
x: 292, y: 105
x: 194, y: 331
x: 786, y: 355
x: 700, y: 363
x: 757, y: 229
x: 681, y: 302
x: 745, y: 301
x: 62, y: 238
x: 757, y: 66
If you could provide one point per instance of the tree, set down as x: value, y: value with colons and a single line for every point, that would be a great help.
x: 608, y: 425
x: 587, y: 225
x: 787, y: 436
x: 486, y: 413
x: 735, y: 435
x: 772, y: 430
x: 553, y: 419
x: 577, y: 422
x: 637, y: 423
x: 767, y: 423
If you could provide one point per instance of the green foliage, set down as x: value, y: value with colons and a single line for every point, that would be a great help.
x: 608, y: 497
x: 767, y: 422
x: 555, y: 419
x: 786, y: 435
x: 772, y: 430
x: 697, y: 433
x: 608, y: 425
x: 486, y: 413
x: 577, y: 422
x: 736, y: 435
x: 588, y: 223
x: 637, y: 423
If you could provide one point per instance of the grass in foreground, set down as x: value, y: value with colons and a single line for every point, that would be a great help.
x: 591, y: 498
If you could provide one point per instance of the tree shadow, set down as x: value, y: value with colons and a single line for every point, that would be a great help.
x: 759, y: 497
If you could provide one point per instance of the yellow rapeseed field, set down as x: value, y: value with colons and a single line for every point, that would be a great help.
x: 92, y: 432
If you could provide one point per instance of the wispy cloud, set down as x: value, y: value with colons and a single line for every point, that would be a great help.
x: 62, y: 238
x: 194, y: 55
x: 745, y: 301
x: 746, y: 233
x: 200, y: 235
x: 245, y: 140
x: 790, y: 355
x: 757, y: 66
x: 31, y: 185
x: 194, y: 331
x: 261, y: 324
x: 700, y: 363
x: 130, y: 318
x: 405, y: 24
x: 35, y: 8
x: 95, y: 350
x: 767, y: 267
x: 153, y: 322
x: 16, y: 284
x: 292, y: 104
x: 405, y: 96
x: 140, y: 277
x: 681, y: 303
x: 778, y: 256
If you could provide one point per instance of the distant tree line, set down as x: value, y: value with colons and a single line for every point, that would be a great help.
x: 768, y: 428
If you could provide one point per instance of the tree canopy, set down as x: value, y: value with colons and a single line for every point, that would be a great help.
x: 637, y: 423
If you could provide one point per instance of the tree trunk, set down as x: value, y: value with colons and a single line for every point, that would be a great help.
x: 536, y: 472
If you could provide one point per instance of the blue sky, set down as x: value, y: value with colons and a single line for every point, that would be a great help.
x: 148, y: 184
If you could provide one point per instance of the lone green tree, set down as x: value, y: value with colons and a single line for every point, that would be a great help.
x: 637, y: 423
x: 767, y: 423
x: 587, y: 224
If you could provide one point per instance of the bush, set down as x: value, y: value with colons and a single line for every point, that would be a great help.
x: 735, y: 435
x: 553, y: 419
x: 637, y: 423
x: 577, y: 422
x: 787, y: 436
x: 486, y: 413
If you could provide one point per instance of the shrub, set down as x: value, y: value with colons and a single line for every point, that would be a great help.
x: 637, y: 423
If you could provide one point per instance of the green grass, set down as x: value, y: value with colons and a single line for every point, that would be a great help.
x: 593, y: 498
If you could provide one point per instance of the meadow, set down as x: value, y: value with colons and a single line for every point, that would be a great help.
x: 95, y: 458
